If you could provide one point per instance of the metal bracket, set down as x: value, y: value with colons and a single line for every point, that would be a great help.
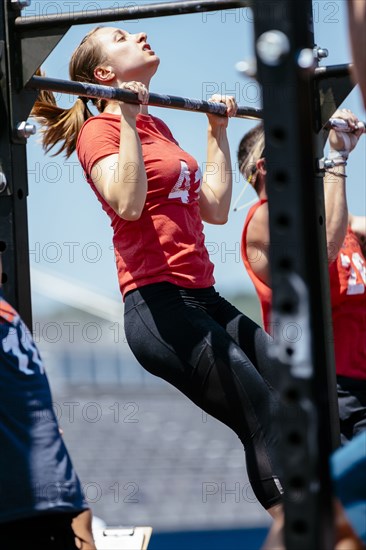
x: 330, y: 93
x: 35, y: 50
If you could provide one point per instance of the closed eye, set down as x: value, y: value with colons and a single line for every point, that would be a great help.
x: 119, y: 36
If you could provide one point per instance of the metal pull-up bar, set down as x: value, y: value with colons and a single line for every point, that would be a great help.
x: 92, y: 91
x: 124, y: 14
x: 156, y: 100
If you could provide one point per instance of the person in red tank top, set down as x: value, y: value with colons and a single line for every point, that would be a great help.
x: 346, y: 237
x: 177, y: 325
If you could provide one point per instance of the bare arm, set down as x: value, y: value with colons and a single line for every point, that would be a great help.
x: 336, y: 210
x: 258, y: 244
x: 121, y: 179
x: 216, y: 189
x: 82, y: 527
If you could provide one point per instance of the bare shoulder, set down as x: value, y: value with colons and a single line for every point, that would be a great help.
x: 258, y: 228
x: 257, y: 243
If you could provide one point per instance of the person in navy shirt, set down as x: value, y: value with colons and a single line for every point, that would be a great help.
x: 41, y: 500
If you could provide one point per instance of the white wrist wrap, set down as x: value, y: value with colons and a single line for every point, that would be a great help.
x: 334, y: 155
x: 338, y: 157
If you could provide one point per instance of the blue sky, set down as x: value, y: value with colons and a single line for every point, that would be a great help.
x: 69, y: 234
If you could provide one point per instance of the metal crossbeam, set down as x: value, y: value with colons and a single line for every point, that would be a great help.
x: 47, y: 22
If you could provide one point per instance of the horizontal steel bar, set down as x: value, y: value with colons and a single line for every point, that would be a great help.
x: 333, y: 71
x: 340, y: 125
x: 46, y: 22
x: 156, y: 100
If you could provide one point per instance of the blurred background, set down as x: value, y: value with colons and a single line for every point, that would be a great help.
x: 144, y: 453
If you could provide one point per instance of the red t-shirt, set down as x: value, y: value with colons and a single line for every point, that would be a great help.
x: 348, y: 300
x: 167, y: 242
x: 348, y: 295
x: 264, y: 292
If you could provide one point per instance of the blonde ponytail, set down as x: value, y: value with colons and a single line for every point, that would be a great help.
x: 63, y: 125
x: 60, y: 125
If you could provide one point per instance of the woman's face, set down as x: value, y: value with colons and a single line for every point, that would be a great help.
x: 128, y: 56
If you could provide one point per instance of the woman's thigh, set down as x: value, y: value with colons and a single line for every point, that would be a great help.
x: 191, y: 350
x: 248, y: 335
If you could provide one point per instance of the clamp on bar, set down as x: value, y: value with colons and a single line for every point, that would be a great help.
x: 325, y: 163
x: 342, y: 125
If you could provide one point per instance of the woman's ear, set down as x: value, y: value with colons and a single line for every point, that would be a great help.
x: 104, y: 74
x: 261, y: 166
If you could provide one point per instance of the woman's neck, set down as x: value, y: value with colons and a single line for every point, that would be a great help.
x: 114, y: 108
x: 260, y: 187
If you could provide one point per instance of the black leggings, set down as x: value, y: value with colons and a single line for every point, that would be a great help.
x: 216, y: 356
x: 52, y: 531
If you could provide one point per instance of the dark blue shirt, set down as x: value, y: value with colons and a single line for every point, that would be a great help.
x: 36, y: 473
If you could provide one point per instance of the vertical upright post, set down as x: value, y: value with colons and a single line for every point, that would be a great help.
x: 13, y: 165
x: 302, y: 351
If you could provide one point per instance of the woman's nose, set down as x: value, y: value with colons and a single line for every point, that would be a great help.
x: 141, y: 37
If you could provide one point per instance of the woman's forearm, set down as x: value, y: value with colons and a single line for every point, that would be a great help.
x: 336, y: 210
x: 217, y: 180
